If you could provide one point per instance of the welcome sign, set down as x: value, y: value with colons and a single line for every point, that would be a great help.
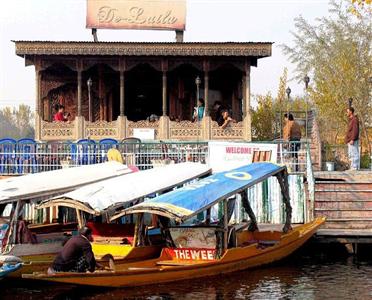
x: 229, y: 155
x: 136, y: 14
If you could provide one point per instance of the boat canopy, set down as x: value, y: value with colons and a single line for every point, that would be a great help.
x: 51, y: 183
x: 95, y: 198
x: 188, y: 201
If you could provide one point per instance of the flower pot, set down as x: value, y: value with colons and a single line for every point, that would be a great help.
x: 330, y: 166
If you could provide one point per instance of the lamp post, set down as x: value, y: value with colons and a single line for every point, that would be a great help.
x: 350, y: 100
x: 89, y: 84
x: 288, y: 91
x: 197, y: 82
x: 306, y: 80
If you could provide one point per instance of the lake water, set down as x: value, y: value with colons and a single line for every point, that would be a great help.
x: 315, y: 272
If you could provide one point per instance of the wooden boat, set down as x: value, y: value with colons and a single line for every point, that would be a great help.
x: 98, y: 199
x: 116, y: 194
x: 16, y: 195
x: 206, y: 249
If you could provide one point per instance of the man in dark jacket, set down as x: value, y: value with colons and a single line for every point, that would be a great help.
x: 352, y: 139
x: 76, y: 255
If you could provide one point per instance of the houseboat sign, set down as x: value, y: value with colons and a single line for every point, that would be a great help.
x: 136, y: 14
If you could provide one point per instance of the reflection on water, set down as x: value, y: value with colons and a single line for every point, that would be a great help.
x: 310, y: 274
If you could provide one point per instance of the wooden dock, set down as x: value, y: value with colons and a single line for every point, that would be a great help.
x: 345, y: 198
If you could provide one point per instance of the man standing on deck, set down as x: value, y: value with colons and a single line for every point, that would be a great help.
x: 352, y: 139
x: 76, y: 255
x: 292, y: 133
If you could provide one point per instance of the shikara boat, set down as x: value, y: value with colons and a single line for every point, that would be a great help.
x: 40, y: 242
x: 108, y: 196
x: 204, y: 249
x: 113, y: 241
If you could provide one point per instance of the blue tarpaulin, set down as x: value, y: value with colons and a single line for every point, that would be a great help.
x: 186, y: 202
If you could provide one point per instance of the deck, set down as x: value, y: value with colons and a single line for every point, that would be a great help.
x: 345, y: 198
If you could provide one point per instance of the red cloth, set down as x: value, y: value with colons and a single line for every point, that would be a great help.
x: 59, y: 117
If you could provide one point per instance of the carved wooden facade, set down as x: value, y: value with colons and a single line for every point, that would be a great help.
x: 131, y: 81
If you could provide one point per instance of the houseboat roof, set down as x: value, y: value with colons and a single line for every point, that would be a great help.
x: 192, y: 199
x: 94, y: 198
x: 64, y: 48
x: 52, y: 183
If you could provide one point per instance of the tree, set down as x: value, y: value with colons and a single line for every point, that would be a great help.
x: 17, y: 123
x: 337, y: 52
x: 263, y: 119
x: 267, y: 119
x: 281, y: 97
x: 358, y: 7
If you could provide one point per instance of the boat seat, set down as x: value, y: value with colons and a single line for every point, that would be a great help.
x: 180, y: 262
x: 233, y: 231
x: 126, y: 240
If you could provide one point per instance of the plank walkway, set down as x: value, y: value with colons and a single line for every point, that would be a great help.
x: 345, y: 198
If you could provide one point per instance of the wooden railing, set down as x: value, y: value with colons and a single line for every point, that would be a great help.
x: 164, y: 129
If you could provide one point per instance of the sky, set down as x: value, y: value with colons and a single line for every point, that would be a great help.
x: 206, y: 21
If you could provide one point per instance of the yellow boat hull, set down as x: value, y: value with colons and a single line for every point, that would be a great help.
x: 154, y: 272
x: 120, y: 253
x: 116, y: 251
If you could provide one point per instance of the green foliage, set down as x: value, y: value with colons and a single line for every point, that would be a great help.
x: 281, y: 103
x: 266, y: 121
x: 358, y: 7
x: 365, y: 161
x: 17, y: 122
x: 336, y: 51
x: 329, y: 153
x: 263, y: 119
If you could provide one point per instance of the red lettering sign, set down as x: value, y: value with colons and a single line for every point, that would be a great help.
x: 190, y: 253
x: 238, y: 150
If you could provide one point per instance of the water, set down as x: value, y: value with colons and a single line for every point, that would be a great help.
x: 313, y: 273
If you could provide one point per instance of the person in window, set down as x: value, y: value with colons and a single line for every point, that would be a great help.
x: 226, y: 118
x: 76, y: 255
x: 60, y: 115
x: 218, y: 108
x: 199, y: 111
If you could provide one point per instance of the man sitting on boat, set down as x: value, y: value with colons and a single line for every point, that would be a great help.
x: 76, y: 255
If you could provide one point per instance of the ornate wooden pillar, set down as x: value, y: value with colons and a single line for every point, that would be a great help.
x: 38, y: 86
x: 122, y: 67
x: 206, y: 86
x: 207, y: 121
x: 164, y: 119
x: 247, y: 87
x: 247, y: 101
x: 122, y: 120
x: 164, y: 68
x: 243, y: 95
x: 79, y: 86
x: 79, y: 120
x: 38, y: 118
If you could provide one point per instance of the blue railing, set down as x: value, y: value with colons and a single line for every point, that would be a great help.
x: 28, y: 156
